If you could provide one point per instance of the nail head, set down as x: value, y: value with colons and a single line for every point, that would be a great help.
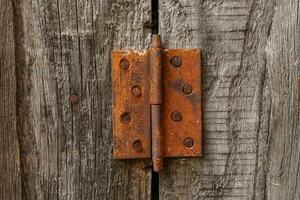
x: 74, y: 99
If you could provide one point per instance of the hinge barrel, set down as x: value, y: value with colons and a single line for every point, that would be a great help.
x: 155, y: 71
x: 156, y: 128
x: 156, y: 100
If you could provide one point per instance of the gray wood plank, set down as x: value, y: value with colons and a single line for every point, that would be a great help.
x: 10, y: 180
x: 251, y: 109
x: 282, y: 60
x: 64, y: 97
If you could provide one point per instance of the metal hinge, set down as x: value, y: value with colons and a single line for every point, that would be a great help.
x: 157, y: 103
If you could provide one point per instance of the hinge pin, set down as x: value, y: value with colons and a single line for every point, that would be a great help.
x: 156, y: 100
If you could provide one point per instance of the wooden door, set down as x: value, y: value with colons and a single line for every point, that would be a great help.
x: 55, y: 99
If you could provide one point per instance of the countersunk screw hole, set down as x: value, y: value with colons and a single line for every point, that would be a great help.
x: 176, y: 116
x: 137, y: 146
x: 176, y: 61
x: 187, y: 89
x: 124, y: 64
x: 125, y: 118
x: 188, y: 142
x: 136, y: 91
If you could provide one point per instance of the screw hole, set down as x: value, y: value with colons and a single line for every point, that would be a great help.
x: 176, y: 116
x: 136, y: 91
x: 125, y: 118
x: 124, y: 64
x: 176, y: 61
x: 137, y: 146
x: 188, y: 142
x: 187, y: 89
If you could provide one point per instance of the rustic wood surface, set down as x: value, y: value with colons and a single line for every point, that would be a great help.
x: 10, y: 181
x: 251, y: 101
x: 63, y: 95
x: 55, y: 99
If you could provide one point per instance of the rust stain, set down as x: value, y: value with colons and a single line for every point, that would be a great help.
x: 178, y: 86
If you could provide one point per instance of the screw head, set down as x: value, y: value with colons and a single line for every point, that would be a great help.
x: 74, y: 99
x: 124, y: 64
x: 136, y: 91
x: 176, y: 61
x: 176, y: 116
x: 125, y: 118
x: 187, y: 89
x: 188, y: 142
x: 137, y: 146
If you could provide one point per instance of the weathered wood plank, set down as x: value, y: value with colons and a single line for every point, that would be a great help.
x: 64, y: 97
x: 283, y: 64
x: 251, y: 116
x: 10, y: 181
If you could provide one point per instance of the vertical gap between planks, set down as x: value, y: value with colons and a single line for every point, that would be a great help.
x: 155, y: 186
x: 154, y: 16
x: 154, y: 27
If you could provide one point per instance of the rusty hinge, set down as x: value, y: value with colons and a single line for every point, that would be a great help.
x: 157, y: 103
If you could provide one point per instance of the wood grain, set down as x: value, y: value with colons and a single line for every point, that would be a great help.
x: 55, y: 98
x: 64, y: 97
x: 10, y: 181
x: 251, y: 120
x: 283, y: 64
